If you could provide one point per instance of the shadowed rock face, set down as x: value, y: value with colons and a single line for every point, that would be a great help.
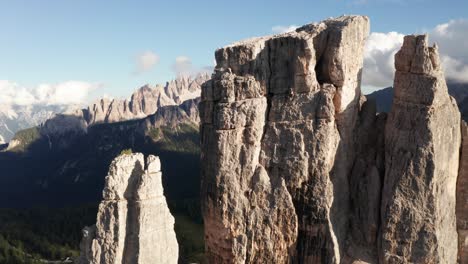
x: 462, y: 199
x: 365, y: 183
x: 277, y: 144
x: 134, y: 224
x: 422, y: 141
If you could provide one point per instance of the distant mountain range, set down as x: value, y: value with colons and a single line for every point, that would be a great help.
x: 17, y: 117
x: 63, y: 162
x: 145, y: 101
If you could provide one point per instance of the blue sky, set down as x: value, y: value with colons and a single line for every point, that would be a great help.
x: 55, y: 41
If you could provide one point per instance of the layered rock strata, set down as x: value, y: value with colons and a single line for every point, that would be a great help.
x: 422, y: 141
x: 134, y: 224
x: 277, y: 129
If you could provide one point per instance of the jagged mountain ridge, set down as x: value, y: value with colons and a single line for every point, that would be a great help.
x: 68, y: 168
x: 152, y: 117
x: 143, y: 102
x: 14, y: 118
x: 66, y: 133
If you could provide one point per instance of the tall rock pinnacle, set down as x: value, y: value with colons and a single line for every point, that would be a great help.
x: 134, y: 225
x: 277, y: 144
x: 422, y: 141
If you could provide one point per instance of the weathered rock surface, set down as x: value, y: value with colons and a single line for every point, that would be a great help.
x: 462, y: 199
x: 277, y: 130
x: 299, y: 168
x: 422, y: 140
x: 134, y: 224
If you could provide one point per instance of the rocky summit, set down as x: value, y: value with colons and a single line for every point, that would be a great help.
x: 277, y: 128
x: 134, y: 224
x: 422, y: 143
x: 297, y: 166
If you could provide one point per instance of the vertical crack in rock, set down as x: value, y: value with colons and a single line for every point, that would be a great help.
x: 134, y: 224
x: 365, y: 183
x: 462, y: 199
x: 422, y: 140
x: 277, y: 144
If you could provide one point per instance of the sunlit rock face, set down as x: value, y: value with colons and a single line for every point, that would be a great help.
x: 422, y: 142
x: 278, y: 121
x: 134, y: 224
x: 297, y: 166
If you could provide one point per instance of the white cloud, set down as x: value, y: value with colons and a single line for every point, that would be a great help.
x: 65, y: 93
x: 283, y: 29
x: 380, y: 50
x: 379, y: 60
x: 146, y: 61
x: 183, y: 66
x: 455, y: 70
x: 452, y: 39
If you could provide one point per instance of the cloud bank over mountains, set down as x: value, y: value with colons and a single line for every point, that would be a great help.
x: 64, y: 93
x: 451, y: 38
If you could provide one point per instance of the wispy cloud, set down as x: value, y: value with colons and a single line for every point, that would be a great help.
x: 452, y: 39
x: 283, y: 29
x: 146, y: 61
x: 183, y: 66
x: 64, y: 93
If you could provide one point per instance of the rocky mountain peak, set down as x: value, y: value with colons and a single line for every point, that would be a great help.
x: 416, y: 59
x: 422, y: 145
x: 134, y: 224
x: 146, y: 100
x: 297, y: 167
x: 277, y: 128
